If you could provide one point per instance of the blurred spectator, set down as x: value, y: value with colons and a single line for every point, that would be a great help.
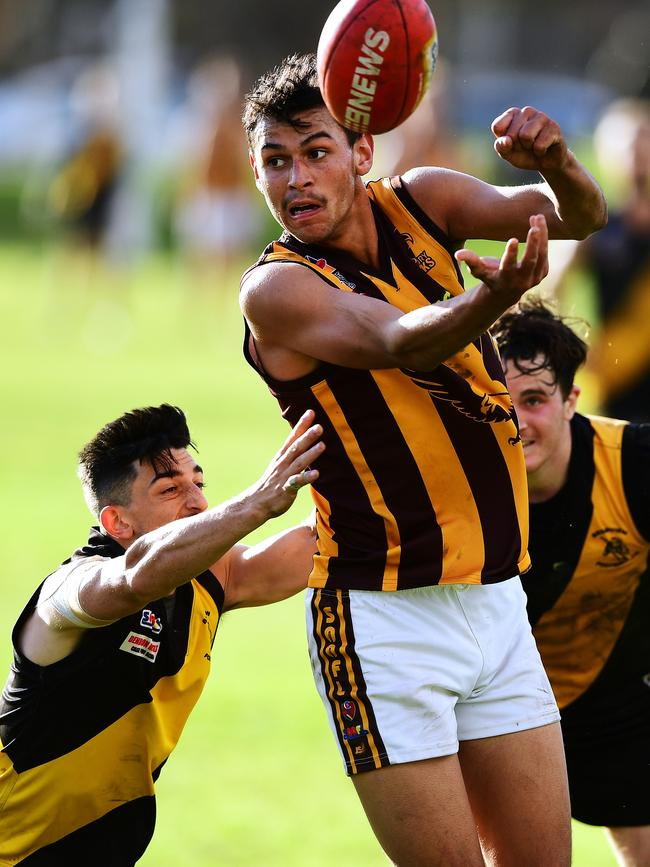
x: 217, y: 217
x: 82, y: 192
x: 617, y: 258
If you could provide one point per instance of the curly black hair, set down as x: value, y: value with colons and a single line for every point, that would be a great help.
x: 284, y: 92
x: 107, y: 463
x: 535, y: 338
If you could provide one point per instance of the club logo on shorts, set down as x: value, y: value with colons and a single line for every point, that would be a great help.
x: 150, y: 620
x: 349, y: 713
x: 348, y: 709
x: 141, y: 645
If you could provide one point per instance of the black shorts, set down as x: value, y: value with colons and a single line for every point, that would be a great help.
x: 607, y: 744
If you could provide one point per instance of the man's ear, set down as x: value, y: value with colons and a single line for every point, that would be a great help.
x: 364, y: 149
x: 115, y: 523
x: 570, y: 403
x: 251, y: 159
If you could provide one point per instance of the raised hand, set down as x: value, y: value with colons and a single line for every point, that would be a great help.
x: 507, y: 277
x: 529, y: 139
x: 289, y: 471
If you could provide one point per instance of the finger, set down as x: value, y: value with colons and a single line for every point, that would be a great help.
x: 299, y: 480
x: 509, y: 257
x: 298, y: 430
x: 501, y: 123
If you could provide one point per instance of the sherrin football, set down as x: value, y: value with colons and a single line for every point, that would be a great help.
x: 375, y: 60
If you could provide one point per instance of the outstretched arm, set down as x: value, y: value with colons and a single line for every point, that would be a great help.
x: 321, y: 322
x: 269, y: 571
x: 99, y: 592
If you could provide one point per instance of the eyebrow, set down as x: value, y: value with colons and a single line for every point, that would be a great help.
x: 171, y: 474
x: 320, y: 134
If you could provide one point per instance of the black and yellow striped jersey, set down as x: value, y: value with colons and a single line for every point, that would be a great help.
x: 423, y: 478
x: 83, y: 740
x: 589, y: 588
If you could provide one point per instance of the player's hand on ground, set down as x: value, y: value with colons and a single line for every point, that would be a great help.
x: 529, y: 139
x: 290, y: 469
x: 507, y: 277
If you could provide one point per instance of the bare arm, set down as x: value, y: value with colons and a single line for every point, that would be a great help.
x: 270, y: 571
x: 295, y: 316
x: 161, y: 560
x: 465, y: 207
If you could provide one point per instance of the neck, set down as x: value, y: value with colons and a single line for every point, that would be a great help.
x: 357, y: 233
x: 550, y: 478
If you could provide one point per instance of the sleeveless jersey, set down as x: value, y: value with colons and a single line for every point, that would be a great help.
x: 423, y: 478
x: 588, y: 590
x: 84, y: 739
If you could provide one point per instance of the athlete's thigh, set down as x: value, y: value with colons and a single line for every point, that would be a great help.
x: 420, y: 813
x: 517, y: 787
x: 631, y: 845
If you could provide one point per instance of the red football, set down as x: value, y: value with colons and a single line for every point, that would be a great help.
x: 375, y: 60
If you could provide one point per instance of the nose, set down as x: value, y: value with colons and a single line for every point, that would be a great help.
x: 299, y: 178
x: 196, y: 501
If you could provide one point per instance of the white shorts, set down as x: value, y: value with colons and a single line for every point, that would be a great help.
x: 407, y: 675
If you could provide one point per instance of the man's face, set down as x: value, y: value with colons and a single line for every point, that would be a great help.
x: 309, y: 176
x: 160, y: 497
x: 544, y: 416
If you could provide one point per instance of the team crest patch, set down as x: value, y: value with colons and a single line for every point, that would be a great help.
x: 150, y: 620
x: 616, y: 552
x: 141, y: 645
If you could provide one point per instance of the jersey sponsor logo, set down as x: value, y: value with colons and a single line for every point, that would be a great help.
x: 141, y: 645
x: 150, y: 620
x: 329, y: 269
x: 615, y: 551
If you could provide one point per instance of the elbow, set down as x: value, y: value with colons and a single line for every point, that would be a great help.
x: 408, y: 351
x: 597, y: 220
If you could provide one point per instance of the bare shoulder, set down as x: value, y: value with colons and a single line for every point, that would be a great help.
x: 440, y: 192
x: 267, y: 283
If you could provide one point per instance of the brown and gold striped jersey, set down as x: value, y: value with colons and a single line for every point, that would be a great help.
x: 423, y: 478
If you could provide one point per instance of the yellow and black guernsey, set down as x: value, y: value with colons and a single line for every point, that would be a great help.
x: 423, y: 479
x: 84, y: 739
x: 589, y: 605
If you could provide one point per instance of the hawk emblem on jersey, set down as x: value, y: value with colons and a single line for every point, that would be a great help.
x: 423, y: 259
x: 615, y: 551
x: 454, y: 384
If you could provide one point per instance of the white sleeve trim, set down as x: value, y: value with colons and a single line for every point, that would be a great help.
x: 60, y: 594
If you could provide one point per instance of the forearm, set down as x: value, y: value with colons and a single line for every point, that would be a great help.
x: 161, y: 560
x: 424, y: 338
x: 580, y: 205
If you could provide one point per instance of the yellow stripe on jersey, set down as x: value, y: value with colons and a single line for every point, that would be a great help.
x: 421, y: 427
x: 334, y: 412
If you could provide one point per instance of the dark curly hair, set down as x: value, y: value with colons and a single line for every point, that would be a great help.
x: 284, y: 92
x: 107, y: 463
x: 533, y: 331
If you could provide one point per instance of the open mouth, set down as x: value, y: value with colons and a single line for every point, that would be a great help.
x: 304, y: 209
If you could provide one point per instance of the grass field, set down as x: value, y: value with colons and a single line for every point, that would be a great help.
x: 256, y: 780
